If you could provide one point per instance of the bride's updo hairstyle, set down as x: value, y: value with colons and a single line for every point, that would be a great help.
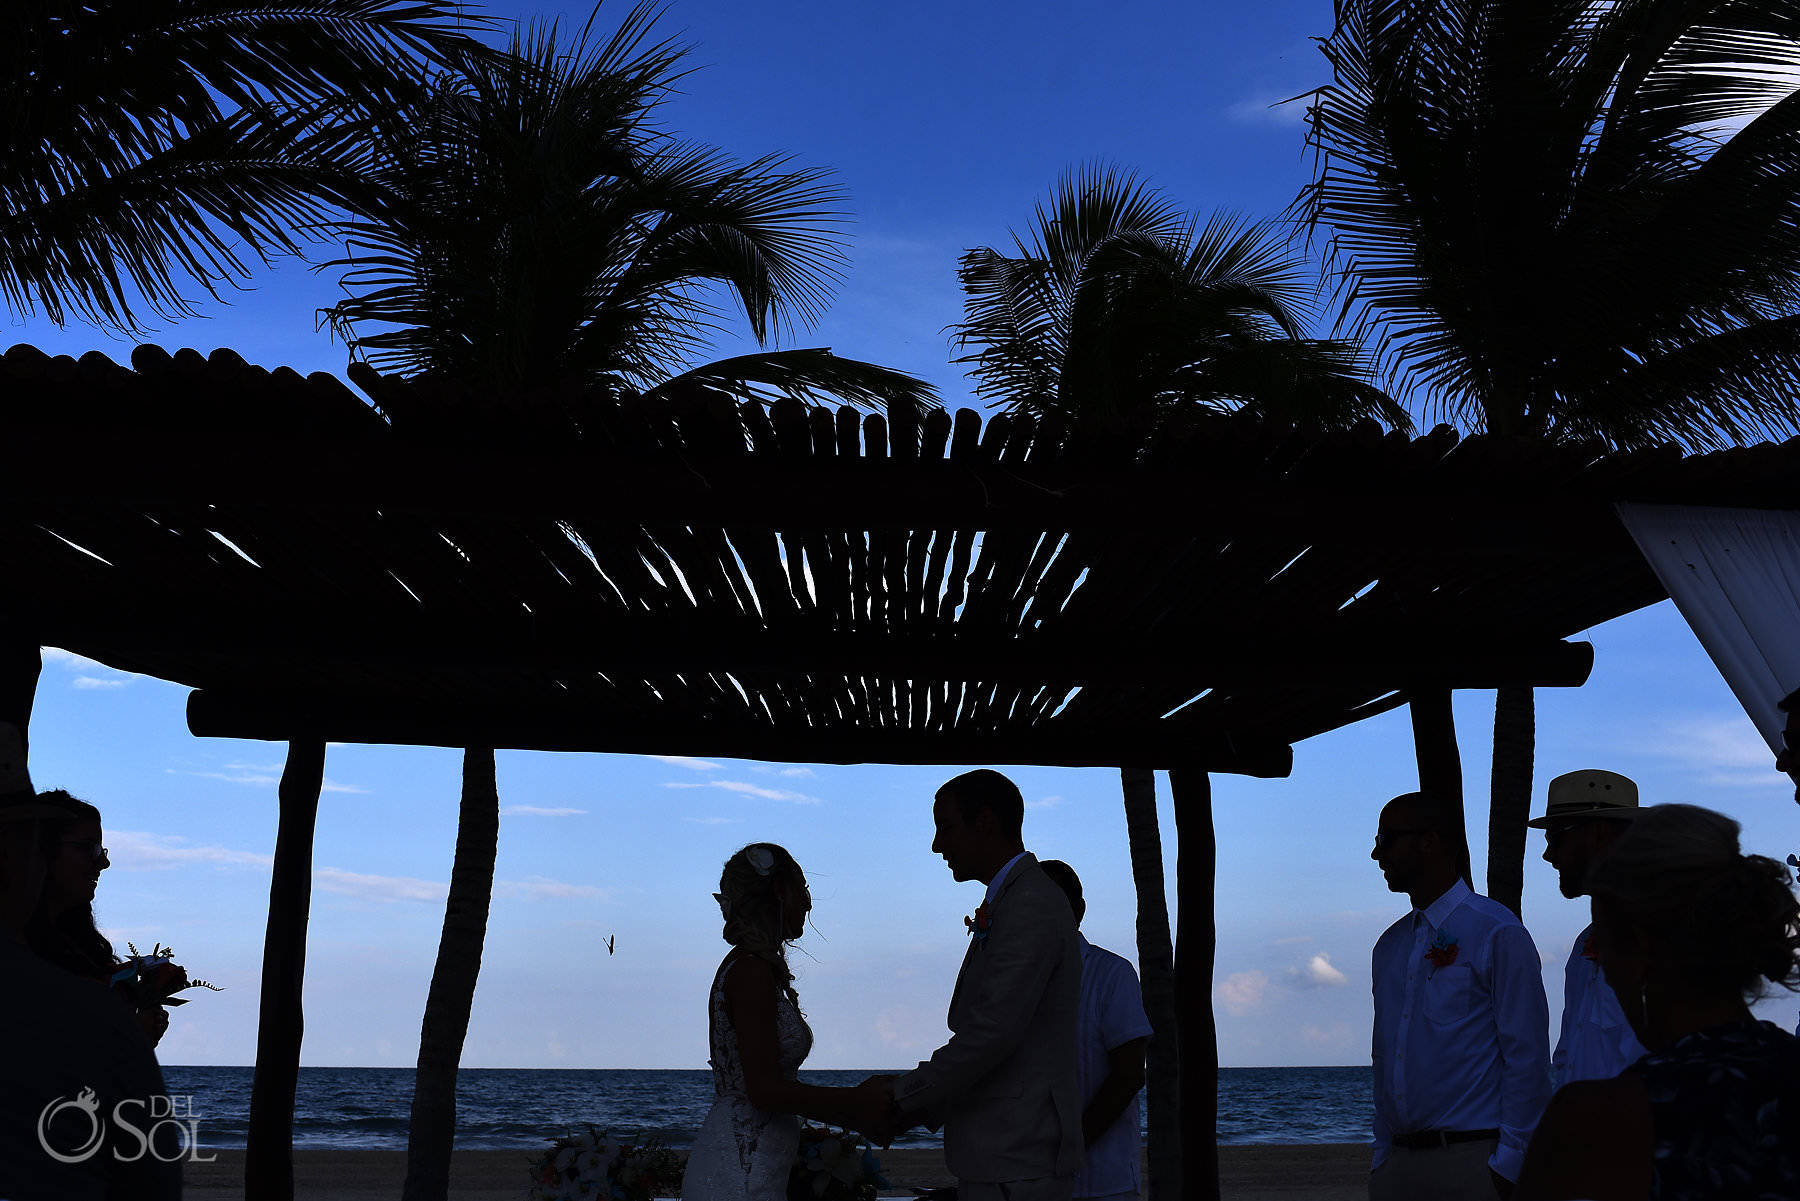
x: 750, y: 891
x: 1722, y: 919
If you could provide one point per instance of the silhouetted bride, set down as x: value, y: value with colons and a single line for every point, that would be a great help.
x: 759, y: 1038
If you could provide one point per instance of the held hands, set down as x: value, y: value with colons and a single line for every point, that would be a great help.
x: 876, y: 1112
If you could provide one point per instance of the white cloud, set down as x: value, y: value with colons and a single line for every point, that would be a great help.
x: 138, y: 850
x: 91, y: 673
x: 1048, y: 802
x: 255, y: 767
x: 1339, y: 1035
x: 1241, y: 992
x: 1725, y: 751
x: 800, y: 772
x: 331, y: 785
x: 1319, y: 971
x: 261, y: 777
x: 87, y: 682
x: 378, y: 888
x: 712, y: 821
x: 686, y: 761
x: 538, y: 811
x: 1266, y: 108
x: 744, y: 786
x: 538, y: 888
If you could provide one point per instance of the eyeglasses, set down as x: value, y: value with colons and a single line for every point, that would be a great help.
x: 1555, y: 834
x: 1387, y: 838
x: 92, y: 846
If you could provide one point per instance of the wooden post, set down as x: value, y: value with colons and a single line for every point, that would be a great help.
x: 1440, y: 762
x: 21, y: 662
x: 1509, y: 797
x: 1156, y: 964
x: 1196, y: 936
x: 269, y: 1145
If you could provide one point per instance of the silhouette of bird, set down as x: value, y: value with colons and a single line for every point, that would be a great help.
x: 609, y: 943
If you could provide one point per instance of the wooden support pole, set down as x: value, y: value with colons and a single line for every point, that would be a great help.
x: 269, y: 1145
x: 1440, y: 762
x: 21, y: 663
x: 1156, y: 964
x: 1196, y: 937
x: 1509, y: 797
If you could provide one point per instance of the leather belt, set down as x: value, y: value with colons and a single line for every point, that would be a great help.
x: 1422, y: 1140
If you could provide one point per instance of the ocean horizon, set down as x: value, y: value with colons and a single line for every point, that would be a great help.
x: 349, y: 1109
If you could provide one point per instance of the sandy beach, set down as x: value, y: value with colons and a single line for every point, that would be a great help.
x: 1330, y: 1172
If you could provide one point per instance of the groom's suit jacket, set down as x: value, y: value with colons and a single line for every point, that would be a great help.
x: 1004, y: 1086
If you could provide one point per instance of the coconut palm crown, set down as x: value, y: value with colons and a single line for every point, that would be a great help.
x: 537, y: 227
x: 1116, y: 305
x: 157, y: 145
x: 1569, y: 217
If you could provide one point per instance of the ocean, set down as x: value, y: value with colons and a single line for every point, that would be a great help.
x: 497, y: 1108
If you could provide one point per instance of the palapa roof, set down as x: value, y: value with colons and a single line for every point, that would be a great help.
x: 710, y: 578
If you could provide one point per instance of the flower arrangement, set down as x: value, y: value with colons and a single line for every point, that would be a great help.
x: 595, y: 1166
x: 1443, y: 950
x: 155, y: 978
x: 980, y: 924
x: 834, y: 1165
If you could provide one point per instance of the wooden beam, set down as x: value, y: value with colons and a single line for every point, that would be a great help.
x: 269, y: 1144
x: 641, y: 644
x: 1196, y: 939
x: 406, y: 722
x: 1440, y: 761
x: 661, y: 488
x: 1162, y: 1004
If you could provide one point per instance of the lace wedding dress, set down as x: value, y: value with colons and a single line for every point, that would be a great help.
x: 743, y: 1153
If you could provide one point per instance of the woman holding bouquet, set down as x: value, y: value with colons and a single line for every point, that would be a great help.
x: 759, y: 1038
x: 63, y: 930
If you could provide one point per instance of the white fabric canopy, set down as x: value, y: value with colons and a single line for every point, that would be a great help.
x: 1735, y: 577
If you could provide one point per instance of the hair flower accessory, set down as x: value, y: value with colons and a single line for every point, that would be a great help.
x: 1443, y: 950
x: 761, y: 858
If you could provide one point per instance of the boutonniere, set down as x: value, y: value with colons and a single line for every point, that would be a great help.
x: 1442, y: 952
x: 980, y: 924
x: 1587, y: 949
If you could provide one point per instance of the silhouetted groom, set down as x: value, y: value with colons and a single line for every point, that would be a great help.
x: 1004, y: 1086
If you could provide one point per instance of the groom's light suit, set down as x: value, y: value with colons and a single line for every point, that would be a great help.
x: 1004, y: 1086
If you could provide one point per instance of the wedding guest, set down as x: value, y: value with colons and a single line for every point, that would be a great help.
x: 1004, y: 1088
x: 1584, y: 814
x: 1688, y: 928
x: 1461, y: 1039
x: 63, y: 930
x: 1113, y: 1035
x: 1787, y: 759
x: 759, y: 1038
x: 72, y: 1054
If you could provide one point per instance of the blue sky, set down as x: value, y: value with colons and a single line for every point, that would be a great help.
x: 946, y: 124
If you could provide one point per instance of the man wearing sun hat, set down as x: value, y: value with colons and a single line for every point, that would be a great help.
x: 73, y: 1054
x: 1585, y: 812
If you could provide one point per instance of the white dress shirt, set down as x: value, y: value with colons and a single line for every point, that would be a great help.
x: 1463, y: 1045
x: 1112, y: 1014
x: 1596, y: 1042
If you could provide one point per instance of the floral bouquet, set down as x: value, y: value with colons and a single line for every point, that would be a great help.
x: 834, y: 1165
x: 597, y: 1167
x: 154, y: 979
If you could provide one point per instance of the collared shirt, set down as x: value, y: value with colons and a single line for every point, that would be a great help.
x: 1112, y: 1014
x: 993, y: 889
x: 1596, y: 1041
x: 1462, y: 1044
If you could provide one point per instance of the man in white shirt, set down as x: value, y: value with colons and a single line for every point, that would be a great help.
x: 1583, y: 813
x: 1461, y: 1041
x: 1114, y: 1034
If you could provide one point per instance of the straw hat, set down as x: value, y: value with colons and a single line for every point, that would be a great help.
x: 1589, y: 793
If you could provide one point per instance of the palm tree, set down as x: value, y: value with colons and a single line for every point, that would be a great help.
x: 154, y: 144
x: 1570, y: 219
x: 1117, y: 303
x: 533, y: 228
x: 1117, y: 308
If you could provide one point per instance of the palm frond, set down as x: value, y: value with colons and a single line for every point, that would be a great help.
x: 813, y: 375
